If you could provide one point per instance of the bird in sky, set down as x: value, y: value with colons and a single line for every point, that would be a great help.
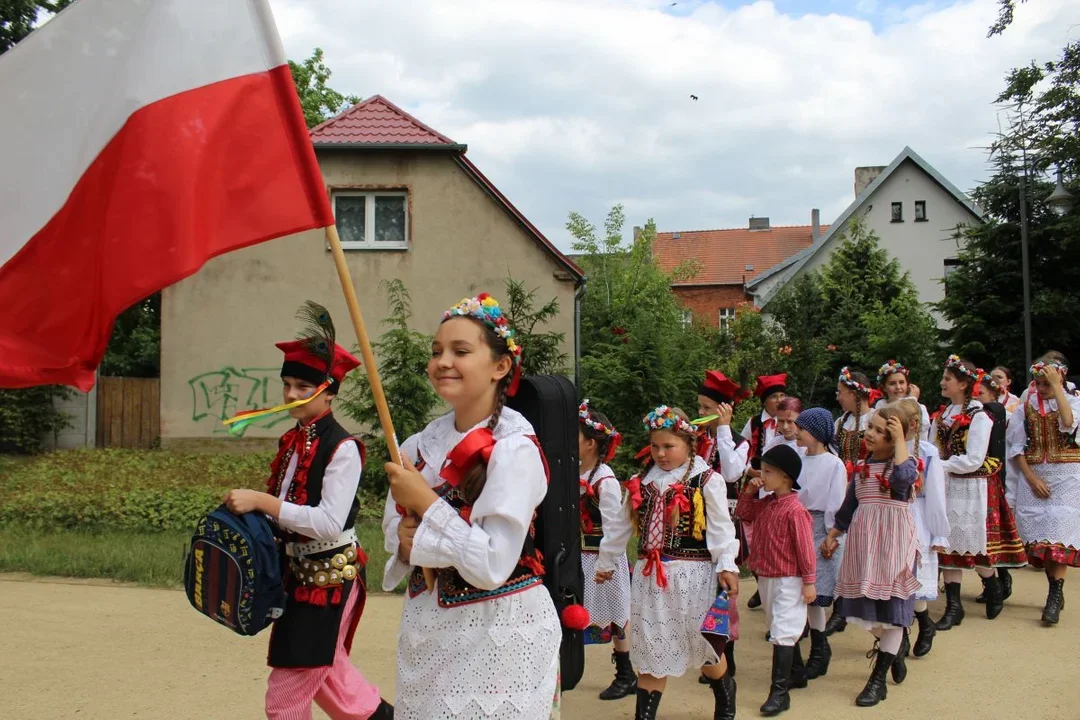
x: 693, y: 97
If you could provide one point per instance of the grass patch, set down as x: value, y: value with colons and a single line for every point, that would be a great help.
x: 154, y: 559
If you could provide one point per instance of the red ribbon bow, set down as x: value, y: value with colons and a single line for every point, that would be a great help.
x: 679, y: 499
x: 873, y: 396
x: 961, y: 420
x: 653, y: 563
x: 770, y: 423
x: 474, y: 447
x: 633, y: 490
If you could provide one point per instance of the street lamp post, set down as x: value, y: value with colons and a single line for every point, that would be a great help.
x: 1061, y: 199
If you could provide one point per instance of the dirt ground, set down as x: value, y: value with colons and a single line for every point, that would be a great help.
x: 90, y: 650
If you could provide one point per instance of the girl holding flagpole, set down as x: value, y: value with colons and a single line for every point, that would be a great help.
x: 484, y: 641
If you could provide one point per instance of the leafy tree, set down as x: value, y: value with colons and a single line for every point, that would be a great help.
x: 403, y: 356
x: 543, y: 350
x: 318, y: 100
x: 135, y: 345
x: 28, y: 416
x: 636, y: 351
x: 984, y: 299
x: 19, y: 17
x: 858, y: 310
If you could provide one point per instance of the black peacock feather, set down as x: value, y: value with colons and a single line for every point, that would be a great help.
x: 318, y: 332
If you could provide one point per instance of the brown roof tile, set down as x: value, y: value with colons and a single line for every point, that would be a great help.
x: 724, y: 254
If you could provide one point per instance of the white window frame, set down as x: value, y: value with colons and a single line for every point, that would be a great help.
x: 369, y: 219
x: 725, y: 317
x: 687, y: 317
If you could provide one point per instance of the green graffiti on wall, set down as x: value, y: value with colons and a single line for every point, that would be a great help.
x: 222, y: 393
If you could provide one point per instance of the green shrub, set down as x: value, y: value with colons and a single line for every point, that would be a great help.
x: 28, y: 416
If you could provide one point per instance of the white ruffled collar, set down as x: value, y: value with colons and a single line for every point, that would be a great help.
x: 440, y: 436
x: 663, y: 478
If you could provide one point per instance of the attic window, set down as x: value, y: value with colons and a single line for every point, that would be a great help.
x: 372, y: 219
x: 920, y: 211
x: 898, y: 212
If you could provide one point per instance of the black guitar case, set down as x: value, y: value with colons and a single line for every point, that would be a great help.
x: 549, y: 403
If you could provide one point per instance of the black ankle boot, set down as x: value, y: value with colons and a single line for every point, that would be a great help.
x: 798, y: 669
x: 647, y: 704
x: 1006, y: 583
x: 625, y: 681
x: 954, y: 609
x: 782, y: 658
x: 837, y: 623
x: 385, y: 711
x: 876, y: 690
x: 899, y: 666
x: 1055, y: 602
x: 925, y: 642
x: 817, y: 665
x: 724, y: 697
x: 995, y: 601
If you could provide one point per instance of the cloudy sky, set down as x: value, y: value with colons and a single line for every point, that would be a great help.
x: 581, y: 104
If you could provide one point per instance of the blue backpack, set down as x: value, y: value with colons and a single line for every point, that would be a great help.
x: 232, y: 573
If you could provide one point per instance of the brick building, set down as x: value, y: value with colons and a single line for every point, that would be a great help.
x: 729, y: 260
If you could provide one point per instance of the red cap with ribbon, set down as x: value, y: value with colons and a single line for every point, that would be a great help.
x: 720, y: 388
x: 769, y: 384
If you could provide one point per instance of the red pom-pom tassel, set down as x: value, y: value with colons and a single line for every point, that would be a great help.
x: 575, y: 617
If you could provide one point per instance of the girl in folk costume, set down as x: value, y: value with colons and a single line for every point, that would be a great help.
x: 876, y: 584
x: 931, y: 520
x: 893, y: 383
x: 686, y: 545
x: 783, y: 558
x: 760, y: 430
x: 856, y: 397
x: 982, y: 531
x: 1042, y: 437
x: 823, y: 487
x: 484, y: 641
x: 312, y: 501
x: 727, y: 454
x: 1003, y: 377
x: 987, y: 391
x: 605, y: 530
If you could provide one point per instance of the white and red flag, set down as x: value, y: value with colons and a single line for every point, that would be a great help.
x: 138, y: 139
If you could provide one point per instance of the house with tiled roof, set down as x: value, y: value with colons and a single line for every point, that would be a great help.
x: 915, y: 212
x: 408, y: 203
x: 727, y: 261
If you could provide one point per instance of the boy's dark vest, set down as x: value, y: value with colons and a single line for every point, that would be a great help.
x: 678, y: 541
x: 592, y: 522
x: 306, y: 635
x: 453, y: 589
x: 1045, y: 441
x: 952, y: 440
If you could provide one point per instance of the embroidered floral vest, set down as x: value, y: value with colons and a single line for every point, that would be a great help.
x: 1045, y: 441
x: 849, y: 444
x: 678, y: 541
x: 452, y: 589
x: 952, y: 440
x: 592, y: 522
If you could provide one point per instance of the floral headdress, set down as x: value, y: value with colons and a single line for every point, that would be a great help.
x: 890, y: 368
x: 664, y: 418
x: 1039, y: 368
x: 955, y: 364
x: 615, y: 438
x: 486, y: 309
x: 984, y: 378
x: 847, y: 379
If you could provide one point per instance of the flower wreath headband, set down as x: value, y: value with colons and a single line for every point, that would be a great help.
x: 891, y: 368
x: 847, y: 379
x: 615, y: 438
x: 984, y: 378
x: 486, y: 309
x: 955, y: 364
x: 664, y: 418
x: 1039, y: 368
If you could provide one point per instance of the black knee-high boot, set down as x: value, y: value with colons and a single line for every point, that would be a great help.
x: 724, y: 691
x: 925, y: 642
x: 954, y: 609
x: 779, y: 700
x: 820, y: 655
x: 625, y: 681
x: 647, y: 704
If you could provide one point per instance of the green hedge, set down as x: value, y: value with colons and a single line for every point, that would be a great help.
x: 127, y: 490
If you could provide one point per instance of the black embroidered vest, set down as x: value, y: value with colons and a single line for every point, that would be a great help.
x: 678, y: 541
x: 952, y: 440
x: 592, y: 522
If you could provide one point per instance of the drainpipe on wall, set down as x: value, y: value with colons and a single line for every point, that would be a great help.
x: 579, y: 293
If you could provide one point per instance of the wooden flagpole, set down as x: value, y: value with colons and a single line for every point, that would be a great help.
x: 369, y: 359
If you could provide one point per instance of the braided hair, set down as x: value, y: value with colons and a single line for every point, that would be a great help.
x: 474, y: 481
x: 910, y: 413
x: 603, y: 439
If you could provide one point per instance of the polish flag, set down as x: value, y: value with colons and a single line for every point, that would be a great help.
x: 138, y: 139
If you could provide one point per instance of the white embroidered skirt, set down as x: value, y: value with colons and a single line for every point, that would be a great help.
x: 608, y: 603
x: 927, y: 571
x: 665, y: 624
x: 497, y: 659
